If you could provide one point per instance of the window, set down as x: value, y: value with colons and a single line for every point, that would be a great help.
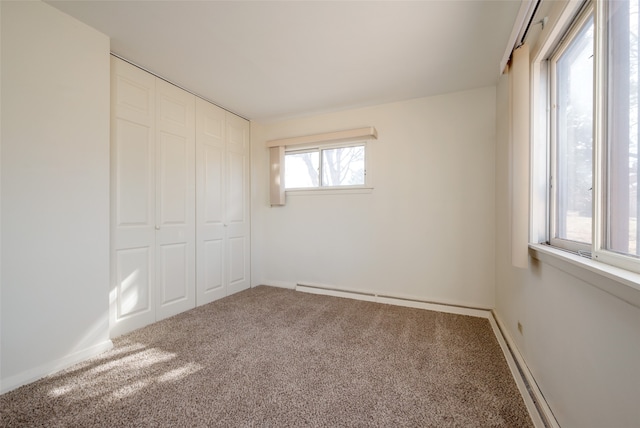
x: 621, y: 135
x: 341, y: 166
x: 302, y: 169
x: 593, y: 77
x: 572, y: 138
x: 332, y: 160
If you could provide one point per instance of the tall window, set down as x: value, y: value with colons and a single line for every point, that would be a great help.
x: 572, y: 138
x: 621, y: 171
x: 594, y: 76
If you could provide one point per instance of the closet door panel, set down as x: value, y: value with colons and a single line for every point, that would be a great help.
x: 175, y: 109
x: 213, y: 270
x: 133, y: 282
x: 213, y: 175
x: 174, y: 275
x: 236, y: 199
x: 173, y: 182
x: 132, y: 198
x: 237, y: 204
x: 134, y: 174
x: 133, y: 178
x: 237, y: 260
x: 210, y: 202
x: 175, y: 200
x: 133, y: 93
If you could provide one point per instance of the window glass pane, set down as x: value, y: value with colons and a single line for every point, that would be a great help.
x: 343, y: 166
x: 574, y: 139
x: 622, y: 141
x: 301, y: 169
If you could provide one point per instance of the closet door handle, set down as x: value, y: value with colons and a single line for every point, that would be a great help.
x: 157, y: 227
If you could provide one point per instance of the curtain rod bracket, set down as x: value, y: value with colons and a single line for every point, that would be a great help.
x: 543, y: 21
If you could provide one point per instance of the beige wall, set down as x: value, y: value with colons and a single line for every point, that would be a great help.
x: 426, y: 230
x: 55, y: 191
x: 581, y: 344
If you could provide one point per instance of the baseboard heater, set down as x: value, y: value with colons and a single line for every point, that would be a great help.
x: 375, y: 296
x: 340, y: 290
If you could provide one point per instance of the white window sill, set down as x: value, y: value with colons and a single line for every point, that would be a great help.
x: 329, y: 191
x: 618, y: 282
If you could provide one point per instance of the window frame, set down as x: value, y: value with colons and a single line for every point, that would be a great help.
x: 543, y: 210
x: 277, y: 148
x: 320, y: 148
x: 600, y: 157
x: 302, y: 150
x: 574, y: 30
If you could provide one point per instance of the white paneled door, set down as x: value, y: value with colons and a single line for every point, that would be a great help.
x: 222, y: 208
x: 237, y: 204
x: 210, y: 207
x: 133, y: 205
x: 175, y: 200
x: 153, y: 199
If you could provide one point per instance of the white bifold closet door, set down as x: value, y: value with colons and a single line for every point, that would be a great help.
x: 153, y: 199
x: 222, y: 207
x: 175, y: 200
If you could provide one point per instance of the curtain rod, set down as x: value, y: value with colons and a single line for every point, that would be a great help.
x: 521, y: 25
x: 526, y: 30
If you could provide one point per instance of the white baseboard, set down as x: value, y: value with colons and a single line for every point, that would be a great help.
x: 401, y: 299
x: 279, y: 284
x: 52, y: 367
x: 534, y: 391
x: 518, y: 369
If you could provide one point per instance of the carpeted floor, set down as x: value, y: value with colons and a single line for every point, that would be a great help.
x: 274, y: 357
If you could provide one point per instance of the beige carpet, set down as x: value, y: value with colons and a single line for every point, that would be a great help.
x: 274, y: 357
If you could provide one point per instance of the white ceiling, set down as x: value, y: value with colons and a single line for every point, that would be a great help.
x: 268, y: 60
